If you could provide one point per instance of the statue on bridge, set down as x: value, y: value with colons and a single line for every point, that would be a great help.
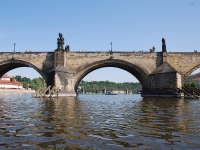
x: 67, y: 48
x: 60, y: 41
x: 152, y: 50
x: 163, y: 45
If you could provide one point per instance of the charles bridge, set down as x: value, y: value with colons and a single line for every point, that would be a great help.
x: 160, y: 73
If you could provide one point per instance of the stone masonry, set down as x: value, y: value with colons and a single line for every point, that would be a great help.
x: 156, y: 71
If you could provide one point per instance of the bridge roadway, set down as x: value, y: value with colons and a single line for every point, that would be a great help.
x: 159, y: 73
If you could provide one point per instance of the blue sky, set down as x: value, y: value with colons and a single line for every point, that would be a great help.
x: 92, y: 24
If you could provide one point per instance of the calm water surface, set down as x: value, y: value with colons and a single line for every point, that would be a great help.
x: 98, y: 122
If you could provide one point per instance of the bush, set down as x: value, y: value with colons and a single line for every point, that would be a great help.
x: 188, y: 84
x: 194, y: 84
x: 185, y: 84
x: 35, y: 84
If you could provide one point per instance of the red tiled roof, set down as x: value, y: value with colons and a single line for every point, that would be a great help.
x: 5, y: 76
x: 12, y: 80
x: 9, y: 82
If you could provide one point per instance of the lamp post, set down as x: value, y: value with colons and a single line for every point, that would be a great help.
x: 14, y: 47
x: 111, y: 48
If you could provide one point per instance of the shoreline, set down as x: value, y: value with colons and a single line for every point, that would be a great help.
x: 16, y: 91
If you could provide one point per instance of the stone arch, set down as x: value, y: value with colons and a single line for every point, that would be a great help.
x: 191, y: 70
x: 8, y: 65
x: 135, y: 70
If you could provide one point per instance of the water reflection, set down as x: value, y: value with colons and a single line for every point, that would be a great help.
x: 98, y: 122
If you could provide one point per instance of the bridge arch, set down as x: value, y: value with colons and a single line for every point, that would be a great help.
x: 8, y: 65
x: 135, y: 70
x: 191, y: 71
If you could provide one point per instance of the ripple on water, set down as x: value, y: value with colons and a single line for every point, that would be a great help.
x: 98, y: 122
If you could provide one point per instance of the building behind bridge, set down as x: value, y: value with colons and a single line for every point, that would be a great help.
x: 194, y: 78
x: 7, y: 82
x: 118, y: 91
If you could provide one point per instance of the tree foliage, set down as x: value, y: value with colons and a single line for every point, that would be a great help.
x: 97, y: 86
x: 28, y: 83
x: 188, y: 84
x: 194, y: 85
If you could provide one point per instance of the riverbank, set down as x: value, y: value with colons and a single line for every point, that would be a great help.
x: 16, y: 91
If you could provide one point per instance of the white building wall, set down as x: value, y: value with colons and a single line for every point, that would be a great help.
x: 5, y: 79
x: 10, y: 86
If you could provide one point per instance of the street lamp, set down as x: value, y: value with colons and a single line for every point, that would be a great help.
x: 14, y: 47
x: 111, y: 48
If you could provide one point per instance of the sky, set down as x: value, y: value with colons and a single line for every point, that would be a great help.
x: 92, y: 24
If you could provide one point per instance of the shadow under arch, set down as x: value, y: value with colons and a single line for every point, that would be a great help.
x: 8, y: 65
x: 136, y: 71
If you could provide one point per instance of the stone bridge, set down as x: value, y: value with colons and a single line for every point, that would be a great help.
x: 159, y: 73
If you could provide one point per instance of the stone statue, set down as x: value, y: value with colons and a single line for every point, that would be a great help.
x: 60, y: 41
x: 67, y: 48
x: 163, y: 45
x: 152, y: 50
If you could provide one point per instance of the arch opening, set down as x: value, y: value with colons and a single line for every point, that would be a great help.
x: 8, y: 65
x: 23, y: 72
x: 193, y: 78
x: 111, y: 79
x: 134, y: 70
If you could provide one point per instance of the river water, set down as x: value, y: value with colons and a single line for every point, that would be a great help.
x: 98, y: 122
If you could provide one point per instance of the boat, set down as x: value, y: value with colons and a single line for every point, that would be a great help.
x: 139, y: 91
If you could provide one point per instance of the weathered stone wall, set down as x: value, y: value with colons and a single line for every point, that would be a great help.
x: 164, y: 80
x: 148, y: 62
x: 59, y: 58
x: 163, y: 85
x: 184, y: 62
x: 178, y: 80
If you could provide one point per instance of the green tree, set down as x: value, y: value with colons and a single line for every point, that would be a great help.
x: 33, y: 84
x: 194, y: 84
x: 18, y: 78
x: 36, y: 83
x: 98, y: 86
x: 185, y: 84
x: 25, y: 85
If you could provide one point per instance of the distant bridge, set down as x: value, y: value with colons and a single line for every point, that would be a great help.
x: 103, y: 90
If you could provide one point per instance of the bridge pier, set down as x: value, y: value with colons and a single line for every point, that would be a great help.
x: 160, y: 92
x: 64, y: 80
x: 63, y: 76
x: 164, y: 82
x: 105, y: 90
x: 127, y: 91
